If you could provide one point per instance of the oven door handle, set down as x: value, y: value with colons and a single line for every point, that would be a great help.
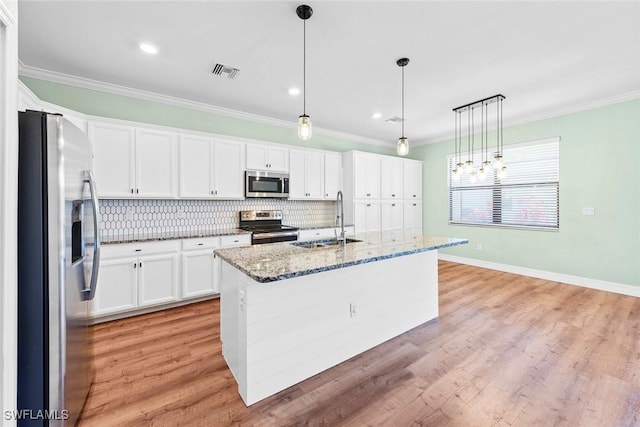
x: 257, y: 236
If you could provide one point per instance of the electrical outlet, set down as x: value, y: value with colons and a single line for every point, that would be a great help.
x: 588, y: 211
x: 128, y: 215
x: 241, y: 300
x: 479, y: 246
x: 180, y: 213
x: 352, y: 309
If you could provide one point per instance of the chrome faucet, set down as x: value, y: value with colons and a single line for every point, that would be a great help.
x: 340, y: 217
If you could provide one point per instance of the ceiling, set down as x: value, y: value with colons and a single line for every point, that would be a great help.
x: 543, y: 56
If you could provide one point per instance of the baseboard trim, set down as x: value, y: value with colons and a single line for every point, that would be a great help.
x: 585, y: 282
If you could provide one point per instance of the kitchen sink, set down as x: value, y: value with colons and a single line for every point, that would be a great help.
x: 323, y: 243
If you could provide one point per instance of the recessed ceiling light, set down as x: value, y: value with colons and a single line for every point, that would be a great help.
x: 148, y: 48
x: 293, y: 91
x: 376, y: 115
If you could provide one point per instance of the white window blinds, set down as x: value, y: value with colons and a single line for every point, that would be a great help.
x: 528, y: 196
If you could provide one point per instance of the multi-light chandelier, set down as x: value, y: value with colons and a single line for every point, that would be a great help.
x: 486, y: 165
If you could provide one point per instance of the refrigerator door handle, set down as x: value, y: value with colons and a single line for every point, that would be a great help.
x: 89, y: 292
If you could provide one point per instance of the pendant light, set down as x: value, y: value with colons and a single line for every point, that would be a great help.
x: 403, y: 142
x: 304, y: 12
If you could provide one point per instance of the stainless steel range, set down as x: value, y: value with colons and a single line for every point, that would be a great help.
x: 266, y: 227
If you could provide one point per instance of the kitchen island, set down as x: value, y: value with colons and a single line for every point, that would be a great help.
x: 292, y: 310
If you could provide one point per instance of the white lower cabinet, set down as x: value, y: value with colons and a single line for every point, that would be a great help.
x: 140, y: 277
x: 134, y: 275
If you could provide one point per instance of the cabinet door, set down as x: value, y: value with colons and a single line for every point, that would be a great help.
x: 297, y: 175
x: 413, y: 216
x: 278, y: 159
x: 314, y: 175
x: 256, y: 157
x: 195, y: 166
x: 332, y: 172
x: 114, y: 159
x: 366, y: 176
x: 391, y: 177
x: 198, y: 273
x: 117, y: 288
x: 156, y: 164
x: 158, y: 279
x: 228, y: 170
x: 391, y: 216
x: 412, y: 179
x: 366, y: 216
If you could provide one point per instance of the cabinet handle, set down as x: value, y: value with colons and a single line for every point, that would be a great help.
x: 393, y: 204
x: 236, y: 241
x: 137, y: 190
x: 200, y: 244
x: 216, y: 192
x: 138, y: 250
x: 135, y: 265
x: 415, y: 204
x: 393, y: 195
x: 132, y: 191
x: 211, y: 191
x: 326, y: 194
x: 368, y: 194
x: 368, y: 204
x: 140, y: 264
x: 414, y: 195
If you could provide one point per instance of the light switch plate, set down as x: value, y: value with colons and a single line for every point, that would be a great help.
x: 588, y: 211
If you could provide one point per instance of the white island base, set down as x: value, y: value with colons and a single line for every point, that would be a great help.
x: 279, y: 333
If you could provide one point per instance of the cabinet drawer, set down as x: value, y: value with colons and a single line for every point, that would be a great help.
x: 118, y: 250
x: 201, y: 243
x: 317, y: 234
x: 235, y: 240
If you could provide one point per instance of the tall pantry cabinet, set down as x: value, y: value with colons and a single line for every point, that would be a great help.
x: 382, y: 194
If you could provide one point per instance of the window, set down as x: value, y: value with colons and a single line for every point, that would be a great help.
x: 528, y: 196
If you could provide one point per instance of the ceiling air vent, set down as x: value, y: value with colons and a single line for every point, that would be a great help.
x: 221, y: 70
x: 394, y: 120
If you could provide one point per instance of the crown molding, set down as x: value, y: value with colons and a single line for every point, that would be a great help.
x: 602, y: 102
x: 6, y: 17
x: 81, y: 82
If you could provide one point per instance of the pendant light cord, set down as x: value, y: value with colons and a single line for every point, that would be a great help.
x: 304, y: 67
x: 403, y: 101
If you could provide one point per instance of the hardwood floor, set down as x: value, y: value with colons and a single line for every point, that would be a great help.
x: 506, y: 350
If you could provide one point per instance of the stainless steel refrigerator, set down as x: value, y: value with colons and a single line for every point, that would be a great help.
x: 58, y: 258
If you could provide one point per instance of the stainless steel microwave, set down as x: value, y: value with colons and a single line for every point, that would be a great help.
x: 263, y: 184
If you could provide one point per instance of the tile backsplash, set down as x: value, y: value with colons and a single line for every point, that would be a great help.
x: 139, y: 219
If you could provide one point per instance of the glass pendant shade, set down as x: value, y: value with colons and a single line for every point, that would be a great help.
x: 502, y: 174
x: 497, y: 162
x: 304, y: 127
x: 455, y: 175
x: 482, y: 174
x: 403, y: 146
x: 473, y: 177
x: 468, y: 166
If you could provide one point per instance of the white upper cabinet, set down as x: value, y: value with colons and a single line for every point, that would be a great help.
x: 114, y: 159
x: 266, y: 157
x: 391, y: 178
x: 332, y: 175
x: 306, y: 175
x: 228, y: 170
x: 210, y: 168
x: 134, y: 162
x: 156, y: 164
x: 412, y: 179
x: 196, y: 165
x: 366, y: 176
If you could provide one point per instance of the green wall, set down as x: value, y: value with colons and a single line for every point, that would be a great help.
x: 599, y: 168
x: 103, y: 104
x: 599, y: 155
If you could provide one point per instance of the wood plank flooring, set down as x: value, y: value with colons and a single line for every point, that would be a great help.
x: 506, y: 350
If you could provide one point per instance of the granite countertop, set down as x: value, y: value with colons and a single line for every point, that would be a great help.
x: 279, y: 261
x: 172, y: 235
